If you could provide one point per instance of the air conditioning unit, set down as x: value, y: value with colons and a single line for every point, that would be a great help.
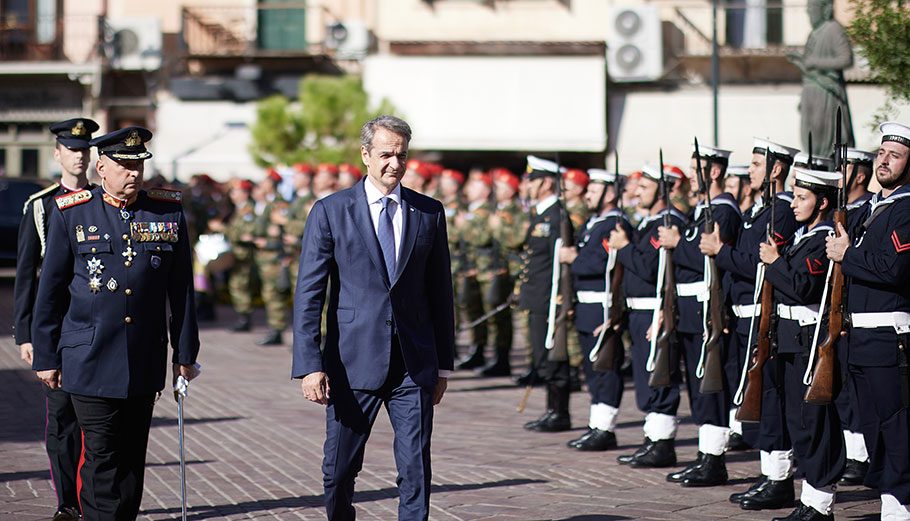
x: 349, y: 39
x: 634, y: 46
x: 135, y: 43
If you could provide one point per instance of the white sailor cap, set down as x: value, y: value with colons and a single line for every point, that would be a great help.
x: 815, y: 179
x: 893, y: 131
x: 818, y: 163
x: 538, y: 167
x: 599, y: 175
x: 711, y: 152
x: 653, y: 172
x: 738, y: 171
x: 859, y: 156
x: 760, y: 145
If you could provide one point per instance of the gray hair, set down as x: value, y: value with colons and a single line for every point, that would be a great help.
x: 391, y: 123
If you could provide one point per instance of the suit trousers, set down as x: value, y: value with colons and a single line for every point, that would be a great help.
x: 886, y: 428
x: 63, y: 441
x: 350, y: 415
x: 707, y: 408
x: 604, y: 386
x: 662, y: 400
x: 115, y: 435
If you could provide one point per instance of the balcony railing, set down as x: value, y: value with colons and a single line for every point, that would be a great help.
x: 262, y: 29
x: 72, y: 38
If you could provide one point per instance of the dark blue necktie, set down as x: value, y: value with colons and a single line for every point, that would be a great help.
x: 387, y: 237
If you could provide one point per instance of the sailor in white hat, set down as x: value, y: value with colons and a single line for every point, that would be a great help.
x: 737, y: 183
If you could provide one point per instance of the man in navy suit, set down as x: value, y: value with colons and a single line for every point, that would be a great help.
x: 380, y: 252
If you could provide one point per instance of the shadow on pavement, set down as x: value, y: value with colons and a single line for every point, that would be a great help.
x: 247, y: 507
x: 24, y: 474
x: 174, y: 463
x: 22, y: 411
x: 158, y: 421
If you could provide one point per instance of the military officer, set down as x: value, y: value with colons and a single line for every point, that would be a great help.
x: 639, y: 256
x: 774, y: 488
x: 540, y: 243
x: 117, y: 277
x: 590, y: 276
x: 63, y: 440
x: 709, y: 410
x: 269, y: 257
x: 797, y: 275
x: 875, y: 258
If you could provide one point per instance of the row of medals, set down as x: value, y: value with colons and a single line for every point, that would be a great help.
x: 95, y: 267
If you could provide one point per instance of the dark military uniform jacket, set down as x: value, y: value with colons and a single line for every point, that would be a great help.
x: 537, y: 275
x: 110, y: 275
x: 690, y: 261
x: 798, y: 279
x: 590, y: 266
x: 878, y: 269
x: 640, y: 257
x: 30, y: 251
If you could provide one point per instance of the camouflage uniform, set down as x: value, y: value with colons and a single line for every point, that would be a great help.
x: 269, y: 261
x: 243, y: 222
x: 579, y: 215
x: 298, y: 210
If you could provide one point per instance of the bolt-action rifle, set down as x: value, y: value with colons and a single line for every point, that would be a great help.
x: 659, y: 361
x: 603, y: 353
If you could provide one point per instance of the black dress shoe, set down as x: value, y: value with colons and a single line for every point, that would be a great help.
x: 661, y: 454
x: 67, y: 514
x: 473, y: 359
x: 497, y: 369
x: 755, y: 488
x: 555, y: 423
x: 805, y: 513
x: 711, y: 472
x: 775, y: 494
x: 625, y: 459
x: 854, y: 472
x: 598, y: 441
x: 531, y: 425
x: 242, y: 324
x: 737, y: 443
x: 272, y: 338
x: 678, y: 477
x: 572, y: 443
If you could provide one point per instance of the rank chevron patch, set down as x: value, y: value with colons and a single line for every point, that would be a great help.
x: 899, y: 246
x: 815, y: 266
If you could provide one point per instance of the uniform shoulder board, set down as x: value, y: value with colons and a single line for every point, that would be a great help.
x: 163, y: 194
x: 39, y: 194
x: 73, y: 198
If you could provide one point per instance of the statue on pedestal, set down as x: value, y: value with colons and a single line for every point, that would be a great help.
x: 823, y: 60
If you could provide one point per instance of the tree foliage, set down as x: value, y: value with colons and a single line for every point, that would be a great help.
x: 323, y: 126
x: 881, y: 29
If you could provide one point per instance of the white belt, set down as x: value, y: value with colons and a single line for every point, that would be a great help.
x: 899, y: 320
x: 590, y: 297
x: 643, y: 303
x: 806, y: 315
x: 693, y: 289
x: 746, y: 310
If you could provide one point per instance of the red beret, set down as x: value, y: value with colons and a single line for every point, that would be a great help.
x: 504, y: 175
x: 303, y: 168
x: 348, y: 168
x: 421, y: 168
x: 577, y: 176
x: 453, y: 174
x: 327, y: 167
x: 273, y: 174
x: 245, y: 185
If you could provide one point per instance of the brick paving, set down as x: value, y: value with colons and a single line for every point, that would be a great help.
x: 254, y: 448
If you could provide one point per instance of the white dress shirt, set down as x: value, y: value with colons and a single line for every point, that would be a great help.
x: 374, y: 200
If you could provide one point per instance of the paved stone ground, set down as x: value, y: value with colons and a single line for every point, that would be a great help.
x: 254, y: 448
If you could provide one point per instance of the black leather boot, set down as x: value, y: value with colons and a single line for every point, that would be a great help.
x: 272, y: 338
x: 805, y: 513
x: 737, y: 443
x: 532, y: 425
x: 598, y: 440
x: 473, y: 359
x: 661, y: 454
x: 760, y: 483
x: 573, y: 443
x: 711, y: 472
x: 497, y: 368
x: 678, y: 477
x: 775, y: 494
x: 854, y: 472
x: 242, y: 324
x: 560, y: 420
x: 625, y: 459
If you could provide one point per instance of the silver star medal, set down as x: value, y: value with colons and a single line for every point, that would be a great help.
x: 94, y: 266
x: 94, y: 284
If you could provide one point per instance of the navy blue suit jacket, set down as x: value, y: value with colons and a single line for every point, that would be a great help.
x: 340, y: 255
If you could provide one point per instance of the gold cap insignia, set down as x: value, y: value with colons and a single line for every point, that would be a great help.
x: 134, y: 140
x: 79, y: 129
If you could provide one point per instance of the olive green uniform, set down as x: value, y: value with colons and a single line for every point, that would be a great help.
x: 240, y: 284
x: 579, y: 215
x: 297, y: 214
x: 269, y: 261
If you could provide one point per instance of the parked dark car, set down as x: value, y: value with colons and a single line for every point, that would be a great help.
x: 14, y: 191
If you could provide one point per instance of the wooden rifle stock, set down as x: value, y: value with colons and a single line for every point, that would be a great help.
x: 612, y: 339
x: 713, y: 379
x: 750, y: 410
x: 660, y: 376
x: 560, y: 351
x: 821, y: 390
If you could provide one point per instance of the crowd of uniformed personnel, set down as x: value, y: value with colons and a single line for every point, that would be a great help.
x: 637, y: 244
